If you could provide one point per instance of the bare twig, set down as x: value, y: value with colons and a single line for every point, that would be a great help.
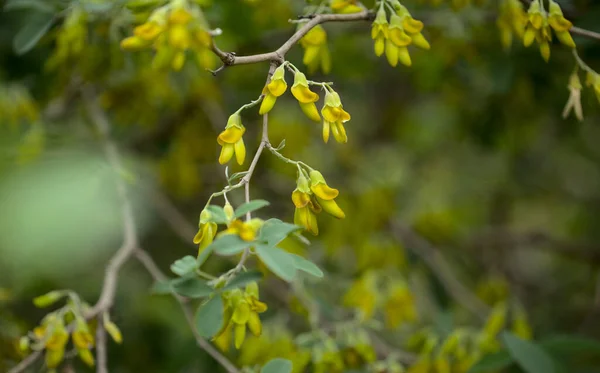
x: 434, y: 259
x: 230, y: 59
x: 583, y: 32
x: 25, y: 363
x: 157, y: 274
x: 101, y: 358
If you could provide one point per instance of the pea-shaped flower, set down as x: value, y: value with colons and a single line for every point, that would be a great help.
x: 379, y: 31
x: 306, y: 209
x: 275, y: 88
x: 396, y: 47
x: 325, y: 195
x: 561, y: 25
x: 334, y: 117
x: 231, y: 140
x: 206, y: 231
x: 306, y: 98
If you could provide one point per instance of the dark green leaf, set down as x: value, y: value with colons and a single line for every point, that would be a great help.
x: 229, y: 244
x: 39, y: 5
x: 570, y: 345
x: 38, y: 23
x: 217, y: 214
x: 243, y: 279
x: 185, y: 265
x: 531, y: 357
x: 274, y: 231
x: 278, y: 261
x: 277, y: 366
x: 250, y: 206
x: 306, y: 266
x: 191, y: 287
x: 203, y: 256
x: 209, y: 317
x: 492, y: 363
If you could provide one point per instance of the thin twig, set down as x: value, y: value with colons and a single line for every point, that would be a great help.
x: 25, y: 363
x: 586, y: 33
x: 157, y: 274
x: 101, y: 357
x: 440, y: 268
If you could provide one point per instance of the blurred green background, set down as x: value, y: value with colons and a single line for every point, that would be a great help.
x: 467, y: 148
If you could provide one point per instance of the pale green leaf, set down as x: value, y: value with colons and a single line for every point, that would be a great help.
x: 250, y: 206
x: 492, y: 363
x: 217, y: 214
x: 209, y: 317
x: 191, y: 287
x: 274, y: 231
x: 528, y: 355
x: 277, y: 366
x: 243, y: 279
x: 229, y: 244
x: 306, y: 266
x: 185, y: 265
x: 36, y: 26
x: 39, y: 5
x: 278, y: 261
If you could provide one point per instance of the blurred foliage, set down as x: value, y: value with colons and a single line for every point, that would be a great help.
x: 466, y: 150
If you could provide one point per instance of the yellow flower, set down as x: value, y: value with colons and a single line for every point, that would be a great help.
x: 396, y: 46
x: 246, y: 230
x: 379, y: 31
x: 592, y: 79
x: 325, y: 195
x: 495, y: 321
x: 316, y: 53
x: 206, y: 231
x: 413, y: 28
x: 275, y: 88
x: 345, y: 6
x: 148, y: 31
x: 399, y: 306
x: 231, y: 140
x: 334, y: 116
x: 306, y: 207
x: 241, y: 311
x: 363, y: 295
x: 306, y: 98
x: 180, y: 16
x: 574, y: 102
x: 512, y: 19
x: 560, y: 25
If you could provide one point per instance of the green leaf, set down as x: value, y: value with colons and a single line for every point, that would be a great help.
x: 237, y: 175
x: 209, y: 317
x: 48, y: 299
x: 531, y: 357
x: 274, y: 231
x: 281, y: 145
x: 277, y: 366
x: 229, y: 244
x: 250, y: 206
x: 97, y: 7
x: 492, y: 363
x: 38, y: 23
x: 570, y: 345
x: 185, y: 265
x: 243, y: 279
x: 217, y: 214
x: 162, y: 287
x: 278, y: 261
x: 203, y: 256
x: 39, y: 5
x: 191, y: 287
x: 307, y: 266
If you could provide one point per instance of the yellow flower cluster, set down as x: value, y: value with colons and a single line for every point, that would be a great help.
x: 316, y: 52
x: 511, y: 20
x: 399, y: 306
x: 241, y: 309
x: 394, y: 37
x: 363, y: 295
x: 593, y: 80
x: 275, y: 342
x: 312, y: 199
x: 172, y: 31
x: 346, y: 6
x: 540, y: 24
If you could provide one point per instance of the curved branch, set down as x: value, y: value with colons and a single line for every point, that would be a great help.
x: 230, y: 59
x: 583, y: 32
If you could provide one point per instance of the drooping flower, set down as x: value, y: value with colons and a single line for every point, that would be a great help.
x: 346, y: 6
x: 206, y: 231
x: 379, y: 31
x: 399, y: 306
x: 396, y: 47
x: 232, y: 141
x: 325, y: 195
x: 306, y: 206
x: 247, y: 231
x: 334, y: 117
x: 560, y: 24
x: 574, y: 101
x: 316, y: 52
x: 275, y: 88
x: 306, y: 98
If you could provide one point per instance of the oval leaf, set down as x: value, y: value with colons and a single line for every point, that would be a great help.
x: 274, y: 231
x: 277, y: 366
x: 209, y: 317
x: 492, y: 363
x: 217, y: 214
x: 531, y: 357
x: 185, y: 265
x: 278, y: 261
x: 229, y: 244
x: 36, y: 27
x: 250, y: 206
x: 307, y: 266
x: 243, y: 279
x: 191, y: 287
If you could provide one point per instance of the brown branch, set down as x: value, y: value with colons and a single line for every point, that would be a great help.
x: 230, y: 59
x: 157, y: 274
x: 440, y: 268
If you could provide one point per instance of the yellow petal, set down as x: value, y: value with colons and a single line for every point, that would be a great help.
x: 545, y: 51
x: 231, y: 135
x: 310, y: 54
x: 300, y: 199
x: 379, y: 46
x: 528, y: 37
x: 332, y: 208
x: 240, y: 151
x: 305, y: 218
x: 277, y: 87
x: 86, y: 356
x: 267, y: 104
x: 391, y: 53
x: 404, y: 56
x: 565, y: 38
x: 310, y: 110
x: 399, y: 37
x: 419, y: 40
x: 326, y: 131
x: 133, y: 43
x: 304, y: 95
x: 412, y: 26
x: 226, y: 153
x: 325, y: 59
x: 323, y: 191
x: 148, y: 31
x: 241, y: 313
x: 254, y: 324
x: 178, y: 61
x: 341, y: 136
x: 331, y: 113
x: 240, y: 335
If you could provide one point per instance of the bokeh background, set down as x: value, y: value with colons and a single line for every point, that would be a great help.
x: 466, y: 150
